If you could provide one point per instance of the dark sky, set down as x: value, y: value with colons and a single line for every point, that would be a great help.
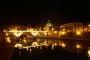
x: 37, y: 12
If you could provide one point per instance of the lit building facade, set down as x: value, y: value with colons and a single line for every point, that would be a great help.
x: 72, y: 27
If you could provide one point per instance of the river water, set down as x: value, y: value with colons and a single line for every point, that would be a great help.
x: 53, y: 50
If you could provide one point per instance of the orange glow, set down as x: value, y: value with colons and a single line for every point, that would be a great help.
x: 34, y: 33
x: 18, y: 45
x: 55, y: 32
x: 27, y: 48
x: 63, y: 32
x: 6, y: 34
x: 45, y: 43
x: 63, y: 45
x: 52, y: 46
x: 35, y: 44
x: 8, y: 39
x: 45, y: 33
x: 55, y: 44
x: 17, y: 34
x: 89, y: 25
x: 78, y: 32
x: 78, y: 46
x: 24, y: 40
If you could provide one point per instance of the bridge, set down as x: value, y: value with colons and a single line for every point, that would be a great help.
x: 18, y: 33
x: 26, y: 31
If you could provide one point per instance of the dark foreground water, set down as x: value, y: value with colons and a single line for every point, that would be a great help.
x: 58, y: 53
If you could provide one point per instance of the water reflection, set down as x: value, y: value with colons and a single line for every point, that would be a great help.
x: 51, y: 48
x: 68, y: 45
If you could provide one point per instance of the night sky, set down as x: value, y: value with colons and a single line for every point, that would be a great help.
x: 38, y: 12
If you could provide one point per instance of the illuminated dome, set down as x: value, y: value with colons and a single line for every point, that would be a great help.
x: 49, y: 24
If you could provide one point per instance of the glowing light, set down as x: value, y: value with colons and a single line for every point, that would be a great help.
x: 24, y: 40
x: 27, y: 48
x: 55, y: 44
x: 78, y: 32
x: 89, y: 53
x: 34, y: 33
x: 28, y: 30
x: 6, y: 34
x: 8, y: 39
x: 45, y: 43
x: 17, y: 34
x: 35, y: 44
x: 78, y: 46
x: 53, y: 29
x: 45, y: 33
x: 63, y: 45
x: 18, y: 45
x: 4, y: 30
x: 55, y: 32
x: 30, y: 50
x: 89, y: 25
x: 49, y: 24
x: 85, y: 29
x: 52, y: 46
x: 63, y: 32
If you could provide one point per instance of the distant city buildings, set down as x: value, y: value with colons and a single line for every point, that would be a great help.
x: 45, y: 35
x: 48, y: 30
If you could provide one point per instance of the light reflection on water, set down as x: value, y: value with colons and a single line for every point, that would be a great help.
x: 45, y: 47
x: 68, y: 45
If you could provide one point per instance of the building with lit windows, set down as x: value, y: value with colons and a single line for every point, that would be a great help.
x: 72, y: 27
